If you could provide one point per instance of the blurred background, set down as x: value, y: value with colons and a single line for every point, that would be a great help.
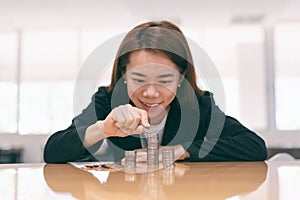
x: 255, y: 46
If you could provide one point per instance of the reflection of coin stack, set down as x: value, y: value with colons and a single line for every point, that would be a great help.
x: 130, y: 177
x: 168, y: 177
x: 153, y: 187
x: 152, y: 150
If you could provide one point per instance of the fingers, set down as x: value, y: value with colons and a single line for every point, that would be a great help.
x: 118, y: 116
x: 180, y: 152
x: 134, y: 118
x: 130, y: 120
x: 144, y: 120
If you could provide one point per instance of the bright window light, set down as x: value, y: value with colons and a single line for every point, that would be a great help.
x: 287, y: 80
x: 8, y: 82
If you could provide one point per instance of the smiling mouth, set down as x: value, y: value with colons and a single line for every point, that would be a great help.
x: 148, y: 106
x: 151, y: 105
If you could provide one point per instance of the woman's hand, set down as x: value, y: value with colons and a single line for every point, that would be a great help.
x: 124, y: 120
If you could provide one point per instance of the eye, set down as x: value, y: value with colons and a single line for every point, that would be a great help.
x: 165, y: 82
x: 138, y: 80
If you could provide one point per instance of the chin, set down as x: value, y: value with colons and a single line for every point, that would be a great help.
x: 157, y: 115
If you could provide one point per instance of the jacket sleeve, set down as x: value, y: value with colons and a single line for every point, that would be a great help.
x: 223, y: 138
x: 66, y: 145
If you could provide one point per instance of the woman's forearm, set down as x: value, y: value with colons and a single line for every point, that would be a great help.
x: 93, y: 134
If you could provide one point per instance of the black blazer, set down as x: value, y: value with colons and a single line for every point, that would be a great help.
x: 205, y: 132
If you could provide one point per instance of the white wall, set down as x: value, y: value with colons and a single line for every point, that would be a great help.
x: 32, y: 145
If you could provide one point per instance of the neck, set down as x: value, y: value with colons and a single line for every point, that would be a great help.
x: 159, y: 118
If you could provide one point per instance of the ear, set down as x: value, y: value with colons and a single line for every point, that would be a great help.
x: 124, y: 77
x: 125, y: 80
x: 181, y: 78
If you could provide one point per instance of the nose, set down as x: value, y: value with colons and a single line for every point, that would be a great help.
x: 150, y: 91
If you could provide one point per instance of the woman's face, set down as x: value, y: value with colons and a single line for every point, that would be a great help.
x: 152, y: 81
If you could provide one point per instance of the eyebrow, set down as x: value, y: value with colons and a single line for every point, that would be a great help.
x: 160, y: 76
x: 138, y: 74
x: 166, y: 75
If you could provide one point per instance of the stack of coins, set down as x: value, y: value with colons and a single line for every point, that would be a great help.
x: 152, y: 150
x: 168, y: 157
x: 130, y: 160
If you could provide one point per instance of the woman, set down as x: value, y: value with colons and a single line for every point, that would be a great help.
x: 153, y: 88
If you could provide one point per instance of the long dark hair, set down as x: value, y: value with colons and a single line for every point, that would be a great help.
x: 158, y: 37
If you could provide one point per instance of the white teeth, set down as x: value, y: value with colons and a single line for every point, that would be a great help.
x: 151, y: 105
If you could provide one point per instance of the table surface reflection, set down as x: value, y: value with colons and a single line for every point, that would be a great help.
x: 214, y: 180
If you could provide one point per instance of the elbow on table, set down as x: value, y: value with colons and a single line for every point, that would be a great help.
x: 260, y: 153
x: 49, y: 157
x: 263, y: 154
